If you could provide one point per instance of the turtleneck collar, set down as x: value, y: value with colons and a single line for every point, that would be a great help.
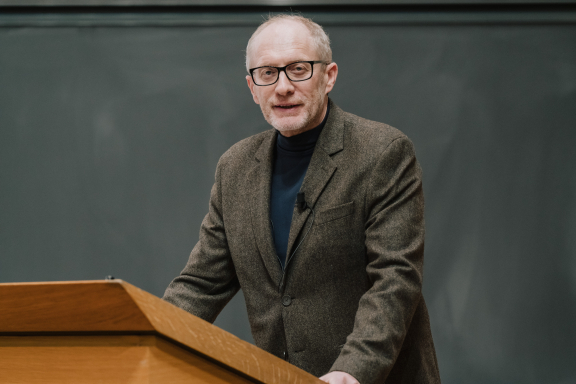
x: 303, y: 141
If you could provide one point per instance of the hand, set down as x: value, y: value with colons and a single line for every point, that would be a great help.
x: 339, y: 377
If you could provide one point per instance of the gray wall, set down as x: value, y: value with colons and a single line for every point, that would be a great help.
x: 111, y: 126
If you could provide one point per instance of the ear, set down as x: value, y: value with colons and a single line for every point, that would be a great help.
x: 330, y: 75
x: 251, y: 86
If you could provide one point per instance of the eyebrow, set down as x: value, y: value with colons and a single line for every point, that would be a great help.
x: 291, y: 62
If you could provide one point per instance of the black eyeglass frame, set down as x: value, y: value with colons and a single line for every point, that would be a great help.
x: 283, y: 69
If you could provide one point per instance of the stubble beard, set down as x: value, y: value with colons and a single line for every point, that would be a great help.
x: 313, y: 107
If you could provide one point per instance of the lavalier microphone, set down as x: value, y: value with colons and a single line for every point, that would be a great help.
x: 301, y: 201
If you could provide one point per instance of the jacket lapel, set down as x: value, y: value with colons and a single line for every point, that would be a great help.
x: 259, y: 179
x: 319, y: 172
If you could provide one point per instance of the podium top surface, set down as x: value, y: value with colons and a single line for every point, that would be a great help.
x: 116, y: 307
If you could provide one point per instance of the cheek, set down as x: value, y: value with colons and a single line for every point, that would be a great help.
x: 264, y: 95
x: 314, y: 91
x: 257, y: 94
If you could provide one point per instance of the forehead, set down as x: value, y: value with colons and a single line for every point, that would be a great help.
x: 282, y: 43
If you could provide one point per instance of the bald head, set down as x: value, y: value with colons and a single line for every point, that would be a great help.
x: 293, y: 27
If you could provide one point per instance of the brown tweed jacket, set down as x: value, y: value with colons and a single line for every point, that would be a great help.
x: 350, y: 298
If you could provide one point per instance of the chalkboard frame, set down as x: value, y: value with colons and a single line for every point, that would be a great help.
x: 342, y: 15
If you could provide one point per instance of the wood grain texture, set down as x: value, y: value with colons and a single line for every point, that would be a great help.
x: 216, y: 343
x: 116, y: 307
x: 104, y: 359
x: 84, y: 306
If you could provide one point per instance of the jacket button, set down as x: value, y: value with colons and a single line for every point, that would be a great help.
x: 286, y: 300
x: 284, y: 355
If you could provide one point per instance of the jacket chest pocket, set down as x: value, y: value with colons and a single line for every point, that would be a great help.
x: 335, y: 213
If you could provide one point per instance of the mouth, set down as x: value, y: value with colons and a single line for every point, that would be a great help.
x: 287, y: 106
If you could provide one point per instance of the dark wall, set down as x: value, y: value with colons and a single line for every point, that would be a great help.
x: 111, y: 125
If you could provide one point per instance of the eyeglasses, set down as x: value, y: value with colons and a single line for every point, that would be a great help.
x: 298, y: 71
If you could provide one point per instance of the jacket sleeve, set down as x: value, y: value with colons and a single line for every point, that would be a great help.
x: 208, y: 280
x: 394, y: 243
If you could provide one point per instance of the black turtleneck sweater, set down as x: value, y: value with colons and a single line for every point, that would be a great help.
x: 291, y: 160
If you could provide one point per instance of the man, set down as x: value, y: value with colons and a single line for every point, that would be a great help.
x: 332, y: 283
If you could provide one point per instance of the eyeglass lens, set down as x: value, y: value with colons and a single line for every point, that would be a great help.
x: 295, y: 72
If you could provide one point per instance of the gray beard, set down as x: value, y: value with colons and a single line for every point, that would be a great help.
x: 297, y: 125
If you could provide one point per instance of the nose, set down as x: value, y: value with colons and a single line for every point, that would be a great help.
x: 284, y: 86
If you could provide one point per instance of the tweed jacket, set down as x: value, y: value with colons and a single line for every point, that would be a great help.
x: 350, y: 296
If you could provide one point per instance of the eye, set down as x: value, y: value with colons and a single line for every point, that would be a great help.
x: 266, y: 72
x: 299, y: 69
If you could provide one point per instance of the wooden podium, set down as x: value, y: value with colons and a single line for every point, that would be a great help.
x: 112, y: 332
